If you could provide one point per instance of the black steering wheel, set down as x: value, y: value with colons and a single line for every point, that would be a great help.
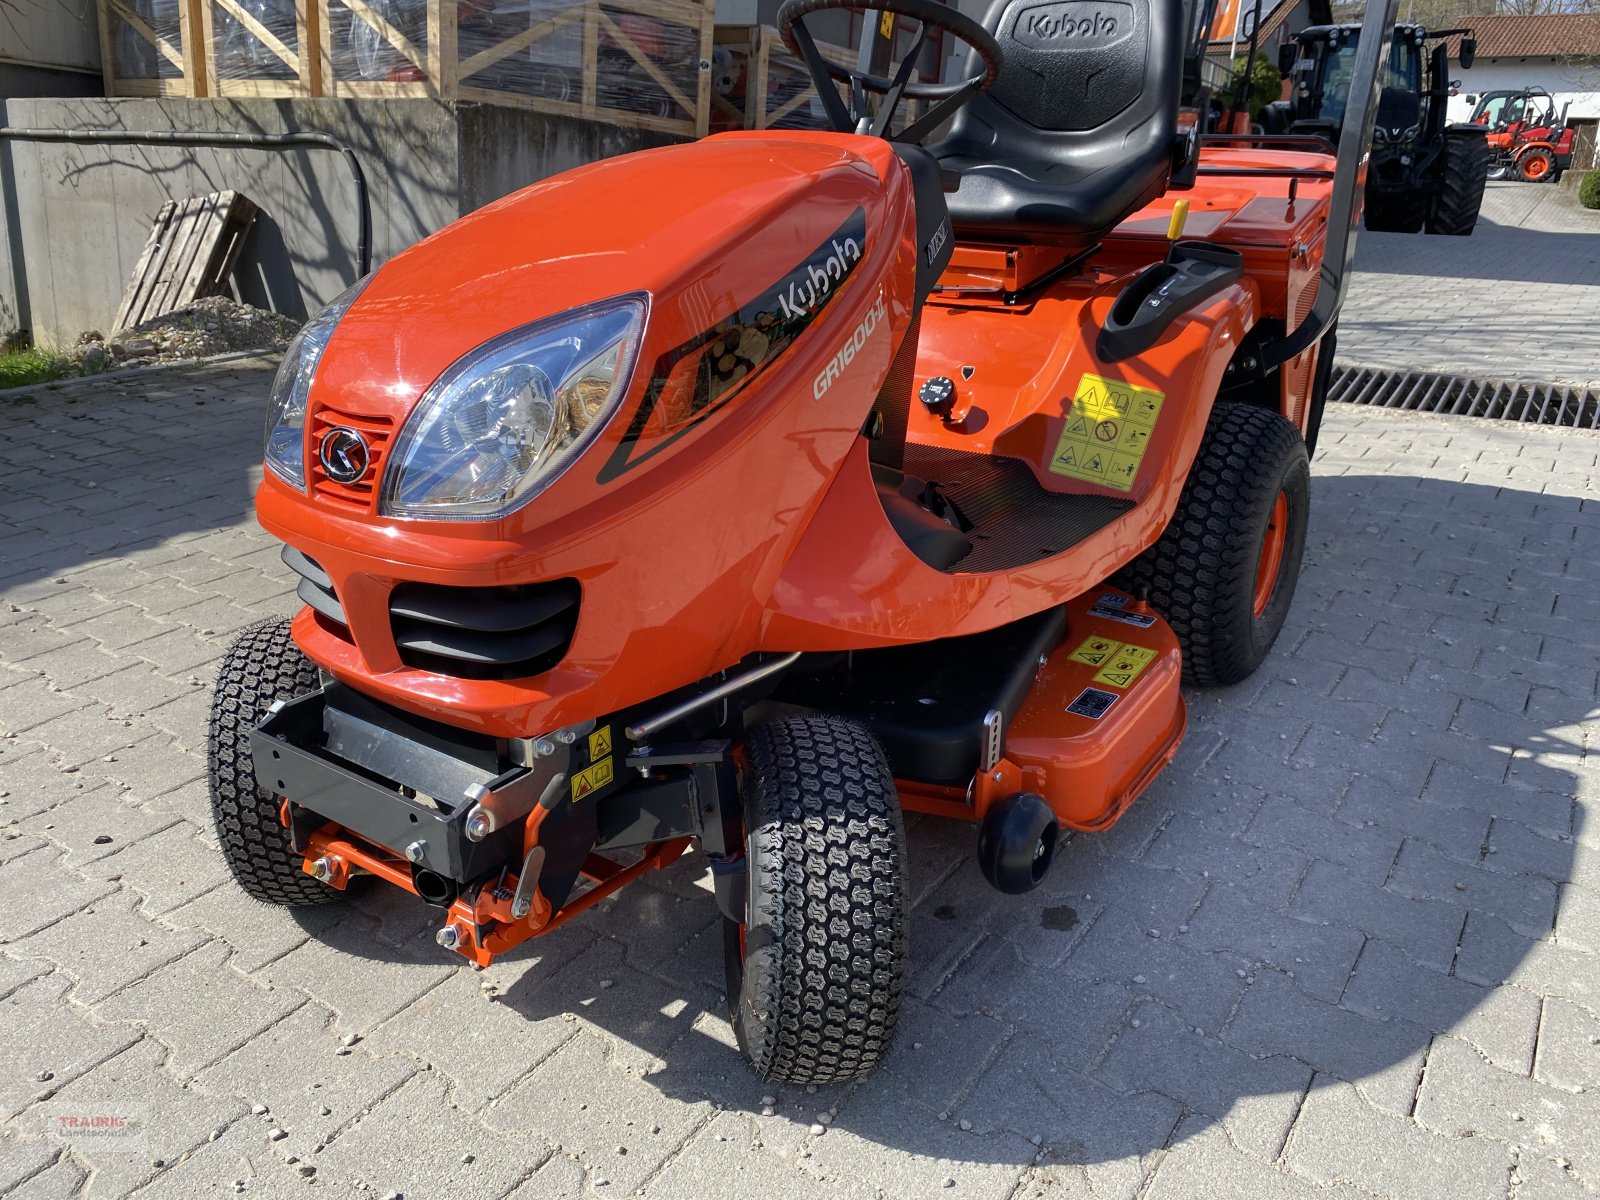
x: 856, y: 118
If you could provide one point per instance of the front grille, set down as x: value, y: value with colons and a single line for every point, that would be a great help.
x: 484, y: 633
x: 316, y: 588
x: 1456, y: 395
x: 377, y: 430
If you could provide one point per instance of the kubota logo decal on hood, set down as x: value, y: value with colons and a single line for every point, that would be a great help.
x: 694, y: 380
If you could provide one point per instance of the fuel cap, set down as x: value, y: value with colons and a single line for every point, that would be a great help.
x: 938, y: 395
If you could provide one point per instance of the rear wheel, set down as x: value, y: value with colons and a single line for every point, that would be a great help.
x: 1464, y: 172
x: 1537, y: 166
x: 261, y: 667
x: 1224, y: 571
x: 816, y: 975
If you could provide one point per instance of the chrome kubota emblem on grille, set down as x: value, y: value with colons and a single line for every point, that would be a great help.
x: 344, y: 455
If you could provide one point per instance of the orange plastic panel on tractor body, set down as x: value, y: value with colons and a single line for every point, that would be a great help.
x: 700, y: 535
x: 1104, y: 715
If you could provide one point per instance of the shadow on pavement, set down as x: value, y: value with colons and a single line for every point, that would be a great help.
x: 1494, y: 253
x: 1352, y: 851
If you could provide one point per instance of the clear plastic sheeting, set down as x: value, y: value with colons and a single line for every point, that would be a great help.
x: 378, y: 41
x: 642, y: 58
x: 146, y: 39
x: 255, y: 40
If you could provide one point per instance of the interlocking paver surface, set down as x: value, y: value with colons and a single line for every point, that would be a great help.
x: 1516, y: 300
x: 1348, y: 945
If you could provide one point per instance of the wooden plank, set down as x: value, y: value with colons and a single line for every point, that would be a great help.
x: 196, y: 242
x: 305, y: 36
x: 328, y: 83
x: 195, y: 49
x: 241, y: 216
x: 591, y: 57
x: 259, y: 89
x: 208, y: 58
x: 442, y: 47
x: 701, y: 112
x: 374, y: 89
x: 617, y: 116
x: 209, y: 242
x: 170, y: 235
x: 108, y: 61
x: 136, y: 282
x: 181, y: 236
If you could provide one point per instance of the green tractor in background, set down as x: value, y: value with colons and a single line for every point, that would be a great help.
x: 1423, y: 173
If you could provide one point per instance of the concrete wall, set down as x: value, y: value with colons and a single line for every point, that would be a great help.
x: 76, y: 218
x: 50, y: 33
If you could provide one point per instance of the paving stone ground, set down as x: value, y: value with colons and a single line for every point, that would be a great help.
x: 1348, y: 945
x: 1516, y: 300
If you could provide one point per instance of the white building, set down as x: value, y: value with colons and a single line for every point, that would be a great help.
x: 1559, y: 52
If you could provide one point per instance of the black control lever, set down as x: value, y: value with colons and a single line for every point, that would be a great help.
x: 1192, y: 273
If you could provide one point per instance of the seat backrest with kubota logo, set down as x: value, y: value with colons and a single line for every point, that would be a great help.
x: 1081, y: 127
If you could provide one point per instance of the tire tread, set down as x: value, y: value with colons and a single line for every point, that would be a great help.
x: 262, y: 666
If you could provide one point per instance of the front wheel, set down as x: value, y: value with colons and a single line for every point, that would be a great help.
x: 817, y: 972
x: 262, y: 666
x: 1224, y: 570
x: 1537, y: 166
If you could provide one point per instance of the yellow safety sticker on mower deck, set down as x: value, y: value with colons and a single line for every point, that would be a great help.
x: 591, y: 779
x: 1095, y: 651
x: 600, y: 744
x: 1123, y: 667
x: 1107, y: 431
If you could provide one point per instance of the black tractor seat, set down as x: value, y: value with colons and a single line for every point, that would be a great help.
x: 1081, y: 128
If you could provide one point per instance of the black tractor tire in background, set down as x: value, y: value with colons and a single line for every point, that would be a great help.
x: 1464, y: 171
x: 261, y: 667
x: 1396, y: 212
x: 817, y: 973
x: 1204, y: 573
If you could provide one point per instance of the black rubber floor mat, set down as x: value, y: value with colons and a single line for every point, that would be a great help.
x: 1015, y: 521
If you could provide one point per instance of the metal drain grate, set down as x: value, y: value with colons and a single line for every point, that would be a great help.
x: 1500, y: 399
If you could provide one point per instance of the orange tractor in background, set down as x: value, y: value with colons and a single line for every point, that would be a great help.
x: 748, y: 494
x: 1527, y: 139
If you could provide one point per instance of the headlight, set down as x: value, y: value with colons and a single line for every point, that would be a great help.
x: 286, y: 411
x: 505, y: 420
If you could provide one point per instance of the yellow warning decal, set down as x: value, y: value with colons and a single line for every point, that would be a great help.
x: 1095, y: 651
x: 600, y: 743
x: 1106, y: 432
x: 1124, y: 665
x: 591, y: 779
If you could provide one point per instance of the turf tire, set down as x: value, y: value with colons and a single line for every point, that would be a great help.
x: 262, y: 666
x: 1460, y: 195
x: 816, y: 980
x: 1201, y: 574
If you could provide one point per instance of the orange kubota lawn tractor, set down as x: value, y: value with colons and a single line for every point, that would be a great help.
x: 746, y: 494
